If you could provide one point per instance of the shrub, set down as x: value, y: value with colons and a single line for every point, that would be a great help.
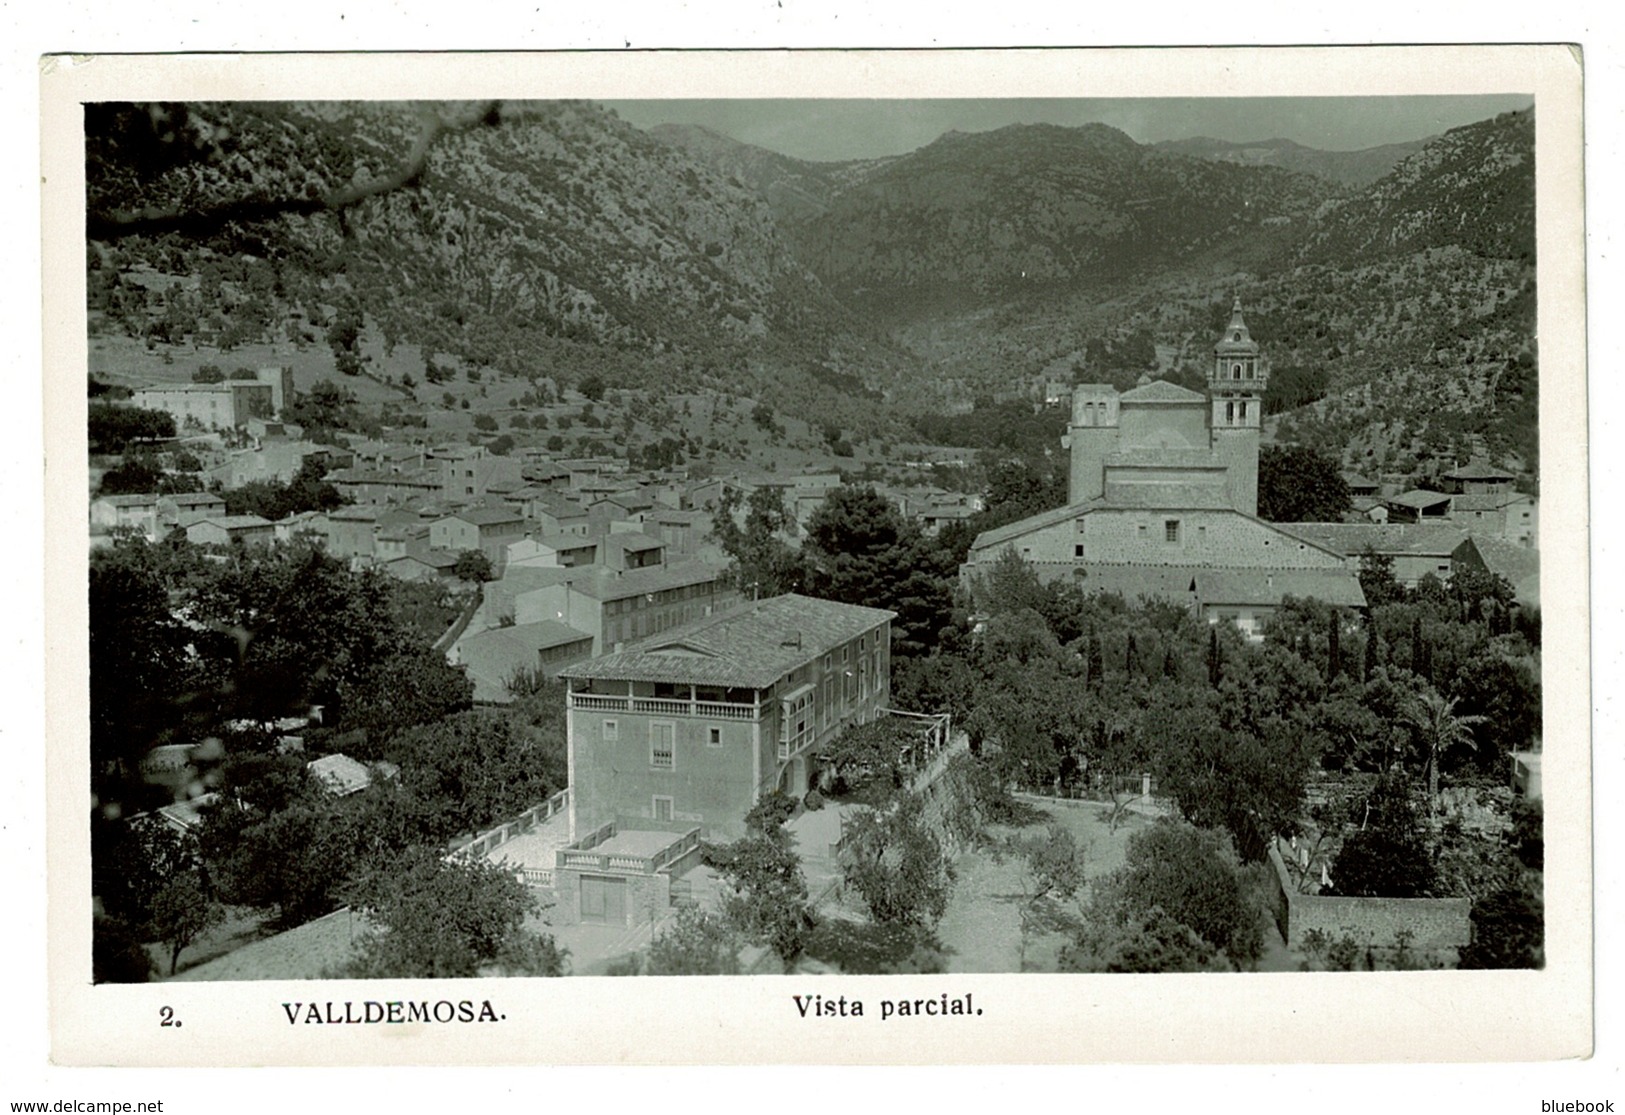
x: 772, y: 811
x: 814, y: 801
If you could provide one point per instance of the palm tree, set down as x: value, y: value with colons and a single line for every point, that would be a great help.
x: 1434, y: 716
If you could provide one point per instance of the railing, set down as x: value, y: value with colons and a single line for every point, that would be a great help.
x: 577, y: 859
x: 625, y: 863
x: 491, y: 839
x: 688, y: 843
x: 933, y: 767
x: 723, y: 711
x: 664, y: 706
x: 536, y: 876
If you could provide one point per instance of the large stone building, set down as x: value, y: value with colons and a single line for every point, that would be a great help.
x: 1163, y: 500
x: 695, y: 726
x: 220, y: 406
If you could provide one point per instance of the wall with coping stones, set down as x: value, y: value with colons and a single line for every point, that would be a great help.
x: 1434, y: 923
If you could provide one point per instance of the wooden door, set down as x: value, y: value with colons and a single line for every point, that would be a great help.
x: 603, y: 900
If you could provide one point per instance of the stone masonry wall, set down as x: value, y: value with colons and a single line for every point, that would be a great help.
x: 1434, y: 923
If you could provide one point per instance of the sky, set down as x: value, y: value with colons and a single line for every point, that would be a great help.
x: 831, y: 130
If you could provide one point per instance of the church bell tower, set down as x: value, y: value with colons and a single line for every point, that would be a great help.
x: 1235, y: 388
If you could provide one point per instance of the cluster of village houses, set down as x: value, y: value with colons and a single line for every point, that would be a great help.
x: 586, y: 554
x: 687, y: 701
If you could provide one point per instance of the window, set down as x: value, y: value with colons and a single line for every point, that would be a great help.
x: 795, y: 721
x: 713, y: 737
x: 1077, y: 550
x: 1235, y: 371
x: 662, y: 808
x: 1170, y: 530
x: 612, y: 731
x: 662, y: 736
x: 1142, y: 530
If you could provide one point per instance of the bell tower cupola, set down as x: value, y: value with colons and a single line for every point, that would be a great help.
x: 1235, y: 386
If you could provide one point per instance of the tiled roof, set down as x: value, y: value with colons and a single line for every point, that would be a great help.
x: 1161, y: 391
x: 1134, y: 581
x: 491, y: 658
x: 1165, y: 458
x: 1351, y: 539
x: 608, y: 584
x: 1486, y: 501
x: 236, y: 522
x: 533, y: 637
x: 999, y: 536
x: 751, y: 646
x: 1158, y: 495
x: 488, y: 516
x: 1419, y: 498
x: 633, y: 540
x: 1218, y: 587
x: 559, y: 506
x: 340, y: 774
x: 671, y: 515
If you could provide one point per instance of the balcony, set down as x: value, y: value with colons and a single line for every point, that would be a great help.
x: 665, y: 706
x: 610, y: 850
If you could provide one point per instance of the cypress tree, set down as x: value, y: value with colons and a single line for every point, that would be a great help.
x: 1097, y: 660
x: 1334, y: 656
x: 1128, y: 656
x: 1215, y: 668
x: 1371, y: 659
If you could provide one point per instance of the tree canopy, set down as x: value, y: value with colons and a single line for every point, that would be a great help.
x: 1297, y: 484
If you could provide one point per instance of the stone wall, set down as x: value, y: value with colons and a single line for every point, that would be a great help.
x: 647, y: 897
x: 1434, y: 923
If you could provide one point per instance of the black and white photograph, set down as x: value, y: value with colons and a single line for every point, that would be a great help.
x: 949, y: 548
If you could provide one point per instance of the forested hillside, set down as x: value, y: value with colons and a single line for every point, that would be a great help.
x: 555, y: 240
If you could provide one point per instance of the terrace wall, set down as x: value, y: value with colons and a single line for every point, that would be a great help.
x: 1434, y: 923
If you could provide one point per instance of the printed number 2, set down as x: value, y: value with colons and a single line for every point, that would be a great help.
x: 166, y: 1016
